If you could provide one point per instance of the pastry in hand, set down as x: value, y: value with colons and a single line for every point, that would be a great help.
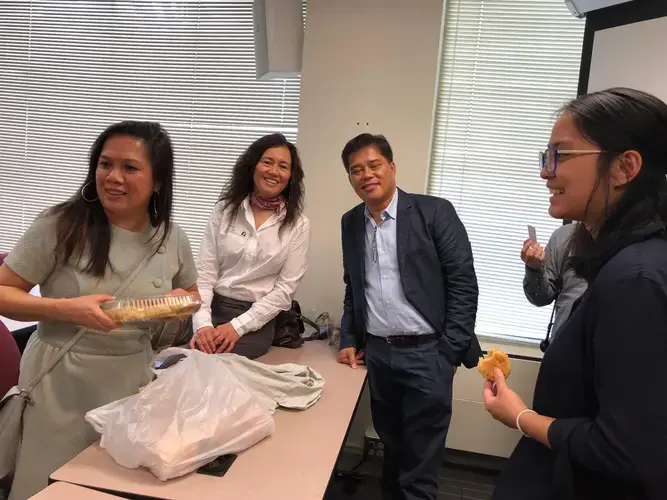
x: 495, y: 358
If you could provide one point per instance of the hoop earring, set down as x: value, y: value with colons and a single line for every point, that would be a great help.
x: 83, y: 193
x: 155, y: 203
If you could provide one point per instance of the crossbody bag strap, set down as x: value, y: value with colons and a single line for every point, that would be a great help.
x: 81, y: 331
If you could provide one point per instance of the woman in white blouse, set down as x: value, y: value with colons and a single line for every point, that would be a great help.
x: 254, y: 252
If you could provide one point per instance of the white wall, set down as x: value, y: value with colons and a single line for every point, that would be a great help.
x: 639, y: 49
x: 368, y: 65
x: 372, y: 65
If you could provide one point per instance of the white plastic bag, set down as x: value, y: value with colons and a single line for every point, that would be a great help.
x: 194, y: 412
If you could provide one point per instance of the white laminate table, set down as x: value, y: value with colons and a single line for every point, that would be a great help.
x: 295, y: 463
x: 67, y: 491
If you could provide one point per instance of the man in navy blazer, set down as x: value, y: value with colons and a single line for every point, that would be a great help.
x: 408, y: 313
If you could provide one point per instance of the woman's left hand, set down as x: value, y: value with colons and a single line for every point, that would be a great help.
x: 502, y: 402
x: 225, y: 338
x: 178, y: 291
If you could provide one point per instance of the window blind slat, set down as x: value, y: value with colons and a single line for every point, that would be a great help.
x: 70, y: 69
x: 506, y: 67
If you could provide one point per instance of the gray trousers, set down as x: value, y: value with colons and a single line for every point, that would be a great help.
x: 251, y: 345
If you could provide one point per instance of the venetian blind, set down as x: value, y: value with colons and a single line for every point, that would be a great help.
x: 70, y: 69
x: 506, y: 67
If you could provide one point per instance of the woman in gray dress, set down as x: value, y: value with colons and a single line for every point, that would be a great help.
x: 79, y: 252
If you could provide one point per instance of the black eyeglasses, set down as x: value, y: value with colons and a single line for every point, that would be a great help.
x: 549, y: 157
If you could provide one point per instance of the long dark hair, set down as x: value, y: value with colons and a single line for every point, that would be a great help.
x: 83, y: 229
x: 242, y: 184
x: 619, y: 120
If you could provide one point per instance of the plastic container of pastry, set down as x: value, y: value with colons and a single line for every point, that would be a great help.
x: 150, y: 308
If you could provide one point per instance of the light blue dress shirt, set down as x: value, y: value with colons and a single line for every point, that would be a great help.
x: 388, y: 310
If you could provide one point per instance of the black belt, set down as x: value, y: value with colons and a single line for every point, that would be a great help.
x: 409, y: 340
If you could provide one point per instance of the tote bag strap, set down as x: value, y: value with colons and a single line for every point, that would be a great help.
x: 81, y: 331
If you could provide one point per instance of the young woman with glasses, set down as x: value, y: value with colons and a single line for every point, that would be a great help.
x: 598, y: 426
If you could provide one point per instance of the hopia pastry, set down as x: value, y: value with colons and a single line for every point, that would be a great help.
x: 495, y: 358
x: 150, y: 308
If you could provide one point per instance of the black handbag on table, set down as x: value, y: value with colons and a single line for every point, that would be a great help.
x: 290, y: 325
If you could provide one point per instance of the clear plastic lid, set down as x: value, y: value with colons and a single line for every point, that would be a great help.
x: 150, y: 308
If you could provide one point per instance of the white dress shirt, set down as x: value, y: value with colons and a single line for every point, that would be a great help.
x: 263, y: 266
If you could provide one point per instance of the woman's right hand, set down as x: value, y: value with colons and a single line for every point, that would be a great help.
x: 85, y: 311
x: 533, y: 254
x: 204, y: 340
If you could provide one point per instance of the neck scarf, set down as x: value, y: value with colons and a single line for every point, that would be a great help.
x: 277, y: 203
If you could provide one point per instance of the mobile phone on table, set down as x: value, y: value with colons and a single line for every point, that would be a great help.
x: 219, y: 466
x: 169, y: 361
x: 532, y: 236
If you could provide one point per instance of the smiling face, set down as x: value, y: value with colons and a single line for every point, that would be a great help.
x: 372, y: 176
x: 576, y: 193
x: 582, y: 189
x: 124, y: 177
x: 273, y: 172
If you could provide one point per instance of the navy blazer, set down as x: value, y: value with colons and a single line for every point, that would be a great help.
x: 437, y: 273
